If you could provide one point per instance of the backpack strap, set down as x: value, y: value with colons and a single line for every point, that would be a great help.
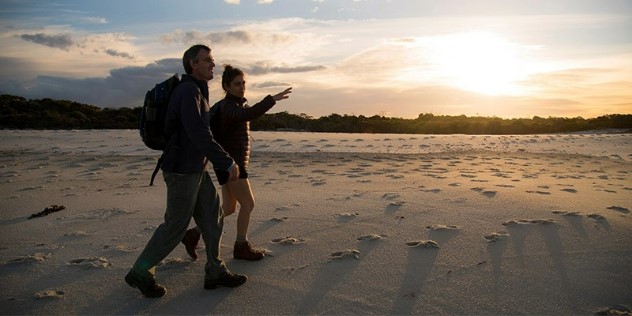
x: 158, y: 164
x: 162, y: 157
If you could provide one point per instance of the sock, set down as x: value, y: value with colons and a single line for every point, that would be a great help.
x: 241, y: 238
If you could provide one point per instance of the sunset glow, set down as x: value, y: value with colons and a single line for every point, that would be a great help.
x: 395, y: 58
x: 479, y: 62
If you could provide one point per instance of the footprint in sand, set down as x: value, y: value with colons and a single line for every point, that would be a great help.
x: 422, y: 244
x: 49, y: 294
x: 514, y: 223
x: 278, y: 219
x: 34, y: 258
x: 487, y: 193
x: 289, y: 240
x: 539, y: 192
x: 569, y: 190
x: 292, y: 270
x: 345, y: 217
x: 173, y: 263
x: 431, y: 190
x: 615, y: 310
x: 396, y: 204
x: 390, y: 196
x: 102, y: 214
x: 78, y: 233
x: 93, y: 262
x: 317, y: 182
x: 441, y: 227
x: 371, y: 237
x: 494, y: 237
x: 349, y: 253
x: 567, y: 213
x: 596, y: 216
x: 120, y: 248
x: 619, y: 209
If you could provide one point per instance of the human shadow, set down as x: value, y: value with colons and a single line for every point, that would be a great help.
x: 577, y: 222
x: 496, y: 250
x: 518, y: 235
x: 419, y: 267
x: 330, y: 275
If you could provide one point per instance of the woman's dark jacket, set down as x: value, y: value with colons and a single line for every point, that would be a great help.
x: 234, y: 133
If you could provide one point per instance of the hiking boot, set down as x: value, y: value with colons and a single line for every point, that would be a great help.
x: 190, y: 241
x: 147, y: 286
x: 243, y: 250
x: 227, y: 279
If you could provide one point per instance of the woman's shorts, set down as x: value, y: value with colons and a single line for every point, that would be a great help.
x: 222, y: 175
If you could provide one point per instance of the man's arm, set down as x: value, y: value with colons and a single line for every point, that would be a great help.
x: 200, y: 134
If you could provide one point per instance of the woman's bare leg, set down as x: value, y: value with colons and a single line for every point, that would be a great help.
x: 229, y: 202
x: 240, y: 191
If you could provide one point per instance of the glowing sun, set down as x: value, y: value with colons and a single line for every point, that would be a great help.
x: 477, y: 61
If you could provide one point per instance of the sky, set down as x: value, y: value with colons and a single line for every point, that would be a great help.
x: 395, y: 58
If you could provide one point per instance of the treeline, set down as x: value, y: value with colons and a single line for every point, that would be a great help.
x: 20, y: 113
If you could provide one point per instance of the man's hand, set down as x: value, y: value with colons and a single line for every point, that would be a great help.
x: 282, y: 95
x: 233, y: 173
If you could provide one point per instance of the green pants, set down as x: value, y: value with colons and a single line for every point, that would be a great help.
x: 188, y: 196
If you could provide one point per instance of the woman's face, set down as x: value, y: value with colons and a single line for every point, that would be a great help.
x: 237, y: 87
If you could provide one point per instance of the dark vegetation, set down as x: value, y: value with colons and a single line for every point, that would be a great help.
x: 20, y: 113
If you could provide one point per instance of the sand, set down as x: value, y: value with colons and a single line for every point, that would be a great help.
x: 352, y: 223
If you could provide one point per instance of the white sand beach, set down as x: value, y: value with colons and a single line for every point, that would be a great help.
x: 353, y: 223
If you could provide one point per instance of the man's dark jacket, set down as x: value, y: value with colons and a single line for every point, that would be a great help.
x: 187, y: 118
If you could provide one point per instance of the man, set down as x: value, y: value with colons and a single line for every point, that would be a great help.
x: 190, y: 191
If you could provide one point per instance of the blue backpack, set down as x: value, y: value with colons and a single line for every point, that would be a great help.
x: 152, y: 117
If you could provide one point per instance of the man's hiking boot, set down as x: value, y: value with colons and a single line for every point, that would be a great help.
x: 243, y: 250
x: 147, y: 286
x: 227, y: 279
x: 190, y: 241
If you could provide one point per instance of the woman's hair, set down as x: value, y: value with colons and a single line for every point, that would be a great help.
x: 191, y: 54
x: 229, y: 74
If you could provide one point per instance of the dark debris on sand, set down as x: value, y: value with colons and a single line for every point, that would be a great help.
x: 48, y: 210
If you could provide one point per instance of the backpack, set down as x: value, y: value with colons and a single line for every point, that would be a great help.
x: 152, y: 118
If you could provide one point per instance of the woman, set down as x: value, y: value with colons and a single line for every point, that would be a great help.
x: 234, y: 136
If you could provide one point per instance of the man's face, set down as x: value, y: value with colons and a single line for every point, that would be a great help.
x: 203, y: 66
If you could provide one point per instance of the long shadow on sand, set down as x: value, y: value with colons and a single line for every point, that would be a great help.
x: 331, y: 274
x: 420, y: 264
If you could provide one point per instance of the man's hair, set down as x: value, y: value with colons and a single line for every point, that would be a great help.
x: 191, y: 54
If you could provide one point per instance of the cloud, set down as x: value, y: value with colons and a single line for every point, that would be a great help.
x: 123, y: 87
x: 236, y: 2
x: 94, y: 20
x: 61, y: 41
x: 270, y: 84
x: 227, y: 37
x: 264, y: 68
x: 231, y: 36
x: 116, y: 53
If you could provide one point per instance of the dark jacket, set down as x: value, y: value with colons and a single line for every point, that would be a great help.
x: 235, y: 116
x: 187, y: 118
